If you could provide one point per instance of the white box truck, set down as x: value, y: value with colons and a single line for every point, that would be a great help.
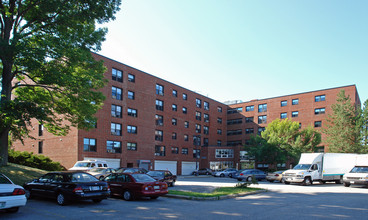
x: 359, y: 174
x: 320, y: 167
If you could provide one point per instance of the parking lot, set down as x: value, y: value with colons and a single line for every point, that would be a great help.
x: 327, y: 201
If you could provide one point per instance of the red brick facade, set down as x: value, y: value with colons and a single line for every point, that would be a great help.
x: 219, y: 131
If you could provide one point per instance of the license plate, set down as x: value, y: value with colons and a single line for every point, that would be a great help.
x: 94, y: 188
x: 2, y: 204
x: 352, y: 182
x: 156, y: 187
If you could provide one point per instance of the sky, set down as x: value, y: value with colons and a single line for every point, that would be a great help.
x: 244, y: 49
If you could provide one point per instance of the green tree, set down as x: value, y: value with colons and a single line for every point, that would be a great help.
x: 364, y: 127
x: 343, y: 126
x: 47, y: 70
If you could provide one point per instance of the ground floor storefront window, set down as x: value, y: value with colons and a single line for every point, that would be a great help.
x: 220, y: 165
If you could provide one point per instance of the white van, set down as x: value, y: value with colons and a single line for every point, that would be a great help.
x: 359, y: 174
x: 88, y: 164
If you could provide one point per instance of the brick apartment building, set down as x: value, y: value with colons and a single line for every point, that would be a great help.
x: 152, y: 123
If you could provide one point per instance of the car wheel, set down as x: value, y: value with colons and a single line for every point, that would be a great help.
x: 60, y: 199
x: 207, y: 173
x: 127, y: 195
x: 28, y: 194
x: 346, y: 184
x: 271, y: 181
x: 154, y: 197
x: 282, y: 181
x: 286, y: 182
x: 307, y: 181
x: 249, y: 179
x: 13, y: 210
x: 96, y: 200
x: 222, y: 175
x: 172, y: 183
x: 230, y: 175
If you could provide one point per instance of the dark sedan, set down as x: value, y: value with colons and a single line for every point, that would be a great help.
x: 68, y: 186
x: 135, y: 185
x: 163, y: 176
x: 131, y: 170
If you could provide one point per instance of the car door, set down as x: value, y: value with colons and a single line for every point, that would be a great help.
x: 42, y: 186
x: 114, y: 185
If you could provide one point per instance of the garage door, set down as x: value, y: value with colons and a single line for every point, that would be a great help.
x: 113, y: 163
x: 166, y: 165
x: 187, y: 168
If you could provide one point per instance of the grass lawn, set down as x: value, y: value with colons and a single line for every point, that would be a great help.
x: 221, y: 191
x: 20, y: 174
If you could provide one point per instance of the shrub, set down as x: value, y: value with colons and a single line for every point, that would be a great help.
x: 37, y: 161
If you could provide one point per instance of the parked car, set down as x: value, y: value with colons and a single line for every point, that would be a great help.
x: 248, y: 175
x: 11, y: 196
x: 131, y: 170
x: 66, y: 186
x: 203, y: 171
x: 101, y: 172
x: 275, y: 176
x: 86, y: 165
x: 163, y: 176
x: 226, y: 172
x: 135, y: 185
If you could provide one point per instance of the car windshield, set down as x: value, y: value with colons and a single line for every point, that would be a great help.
x: 97, y: 169
x: 4, y: 180
x: 155, y: 173
x: 82, y: 164
x: 142, y: 178
x: 82, y: 177
x: 359, y: 169
x: 302, y: 167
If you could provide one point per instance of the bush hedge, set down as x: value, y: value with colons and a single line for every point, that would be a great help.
x: 37, y: 161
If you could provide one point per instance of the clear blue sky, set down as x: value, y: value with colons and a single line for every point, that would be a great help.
x: 245, y: 49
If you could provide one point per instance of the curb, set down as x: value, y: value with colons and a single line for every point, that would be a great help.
x: 215, y: 197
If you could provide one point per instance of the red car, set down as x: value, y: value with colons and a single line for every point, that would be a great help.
x: 134, y: 185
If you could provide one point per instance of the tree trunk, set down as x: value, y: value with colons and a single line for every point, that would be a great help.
x: 4, y: 138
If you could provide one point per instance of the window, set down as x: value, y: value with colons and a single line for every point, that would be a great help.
x: 234, y: 143
x: 159, y: 89
x: 234, y: 132
x: 235, y: 121
x: 320, y: 98
x: 184, y: 151
x: 234, y: 110
x: 197, y: 140
x: 89, y: 145
x: 131, y: 146
x: 198, y: 116
x: 219, y: 131
x: 186, y: 124
x: 174, y: 121
x: 40, y: 147
x: 184, y: 110
x: 262, y: 108
x: 262, y: 119
x: 318, y: 124
x: 159, y: 120
x: 186, y: 137
x: 319, y: 111
x: 159, y: 150
x: 219, y: 109
x: 249, y: 108
x: 117, y: 75
x: 116, y: 93
x: 249, y: 130
x: 159, y: 136
x: 174, y: 150
x: 40, y: 130
x: 159, y: 105
x: 116, y: 129
x: 249, y: 119
x: 283, y: 103
x: 205, y: 142
x: 224, y: 153
x: 132, y: 112
x: 294, y: 114
x: 175, y: 93
x: 116, y: 111
x: 131, y: 95
x: 219, y: 143
x: 113, y: 146
x: 260, y: 130
x: 174, y: 107
x: 219, y: 120
x: 198, y: 128
x: 185, y: 97
x: 283, y: 115
x: 206, y: 130
x: 206, y: 117
x: 198, y: 103
x: 206, y: 106
x: 174, y: 136
x: 295, y: 102
x: 131, y: 78
x: 196, y: 153
x: 132, y: 129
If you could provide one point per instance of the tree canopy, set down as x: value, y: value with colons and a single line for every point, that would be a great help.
x: 47, y: 70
